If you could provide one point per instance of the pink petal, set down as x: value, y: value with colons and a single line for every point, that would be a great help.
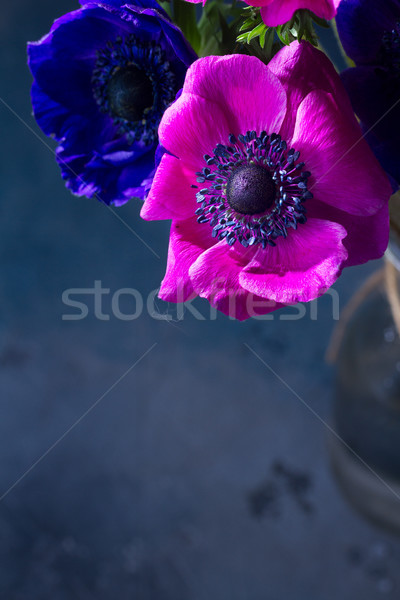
x: 281, y: 11
x: 191, y: 127
x: 345, y: 173
x: 170, y: 195
x: 251, y: 97
x: 369, y: 240
x: 367, y: 237
x: 301, y: 267
x: 188, y: 240
x: 215, y: 276
x: 301, y: 68
x: 259, y: 2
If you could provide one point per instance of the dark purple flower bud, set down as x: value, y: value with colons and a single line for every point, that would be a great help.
x: 370, y: 34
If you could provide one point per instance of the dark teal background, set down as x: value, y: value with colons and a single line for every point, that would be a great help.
x: 197, y: 476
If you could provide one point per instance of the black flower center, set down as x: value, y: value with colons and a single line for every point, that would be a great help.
x: 129, y: 93
x: 250, y: 190
x: 391, y: 49
x: 253, y: 190
x: 133, y: 82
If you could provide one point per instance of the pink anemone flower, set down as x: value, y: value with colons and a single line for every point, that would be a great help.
x: 269, y: 184
x: 278, y: 12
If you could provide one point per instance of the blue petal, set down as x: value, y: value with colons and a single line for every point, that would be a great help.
x: 52, y: 117
x: 62, y: 61
x: 387, y: 153
x: 124, y: 4
x: 375, y: 100
x: 174, y: 35
x: 181, y: 46
x: 80, y: 134
x: 95, y: 159
x: 108, y: 180
x: 135, y: 181
x: 361, y: 25
x: 160, y: 151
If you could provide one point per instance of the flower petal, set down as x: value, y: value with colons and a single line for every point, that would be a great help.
x: 345, y: 173
x: 216, y: 276
x: 181, y: 46
x: 279, y: 12
x: 62, y: 61
x: 301, y: 69
x: 171, y: 194
x: 301, y: 267
x: 234, y: 83
x: 375, y: 97
x: 192, y: 127
x: 101, y: 177
x: 188, y: 240
x: 367, y: 237
x: 361, y: 25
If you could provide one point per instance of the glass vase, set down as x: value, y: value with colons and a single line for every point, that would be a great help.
x: 365, y: 453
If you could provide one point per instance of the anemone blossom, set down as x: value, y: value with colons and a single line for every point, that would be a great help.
x: 103, y: 77
x: 270, y: 187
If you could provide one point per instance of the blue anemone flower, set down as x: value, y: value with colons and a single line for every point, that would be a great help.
x: 370, y: 34
x: 103, y: 77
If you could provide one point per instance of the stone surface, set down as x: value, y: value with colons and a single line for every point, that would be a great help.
x: 194, y: 475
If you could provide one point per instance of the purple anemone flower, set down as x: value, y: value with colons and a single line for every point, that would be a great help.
x: 103, y: 77
x: 270, y: 187
x: 370, y: 34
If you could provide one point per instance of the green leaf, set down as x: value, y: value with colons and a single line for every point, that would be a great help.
x: 262, y: 38
x: 254, y: 24
x: 208, y: 28
x: 321, y: 22
x: 242, y: 38
x: 269, y: 43
x: 248, y: 22
x: 283, y: 35
x: 166, y: 6
x: 184, y: 15
x: 256, y: 32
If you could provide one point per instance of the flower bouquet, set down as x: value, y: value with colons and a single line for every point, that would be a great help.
x: 275, y: 171
x: 228, y: 120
